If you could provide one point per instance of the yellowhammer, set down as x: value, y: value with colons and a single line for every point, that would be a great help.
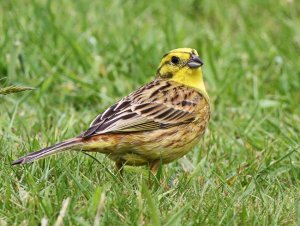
x: 159, y: 122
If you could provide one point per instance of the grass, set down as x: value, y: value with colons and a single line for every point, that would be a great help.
x: 13, y: 89
x: 81, y: 56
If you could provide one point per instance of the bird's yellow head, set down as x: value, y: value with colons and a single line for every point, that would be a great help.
x: 183, y: 66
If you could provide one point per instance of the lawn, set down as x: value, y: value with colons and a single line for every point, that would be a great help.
x: 82, y: 56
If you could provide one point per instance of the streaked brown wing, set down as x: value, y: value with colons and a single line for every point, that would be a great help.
x: 159, y: 104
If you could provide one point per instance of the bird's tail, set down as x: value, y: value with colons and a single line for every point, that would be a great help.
x: 74, y: 143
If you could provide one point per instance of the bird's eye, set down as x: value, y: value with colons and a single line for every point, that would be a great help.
x: 174, y: 60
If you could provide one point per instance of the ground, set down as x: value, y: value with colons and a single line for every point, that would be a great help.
x: 82, y: 56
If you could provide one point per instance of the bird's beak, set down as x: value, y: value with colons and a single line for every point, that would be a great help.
x: 194, y: 62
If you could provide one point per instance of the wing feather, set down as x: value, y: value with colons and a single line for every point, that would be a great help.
x: 158, y: 105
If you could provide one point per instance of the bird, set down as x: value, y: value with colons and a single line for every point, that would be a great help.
x: 156, y: 124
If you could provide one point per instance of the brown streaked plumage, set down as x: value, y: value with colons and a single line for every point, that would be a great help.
x: 160, y: 121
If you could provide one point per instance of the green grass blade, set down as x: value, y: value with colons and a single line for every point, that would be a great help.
x: 152, y: 209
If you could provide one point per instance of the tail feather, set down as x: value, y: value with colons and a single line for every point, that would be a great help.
x: 59, y: 147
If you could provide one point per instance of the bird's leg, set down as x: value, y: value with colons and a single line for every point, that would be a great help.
x: 154, y: 166
x: 120, y: 165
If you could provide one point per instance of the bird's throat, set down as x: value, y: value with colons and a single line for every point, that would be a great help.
x: 192, y: 78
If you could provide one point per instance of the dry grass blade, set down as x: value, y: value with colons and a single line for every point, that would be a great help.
x: 62, y: 212
x: 100, y: 209
x: 14, y: 89
x: 44, y: 221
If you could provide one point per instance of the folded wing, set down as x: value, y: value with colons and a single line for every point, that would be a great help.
x: 157, y: 105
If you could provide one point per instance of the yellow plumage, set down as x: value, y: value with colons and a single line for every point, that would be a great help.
x: 160, y: 121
